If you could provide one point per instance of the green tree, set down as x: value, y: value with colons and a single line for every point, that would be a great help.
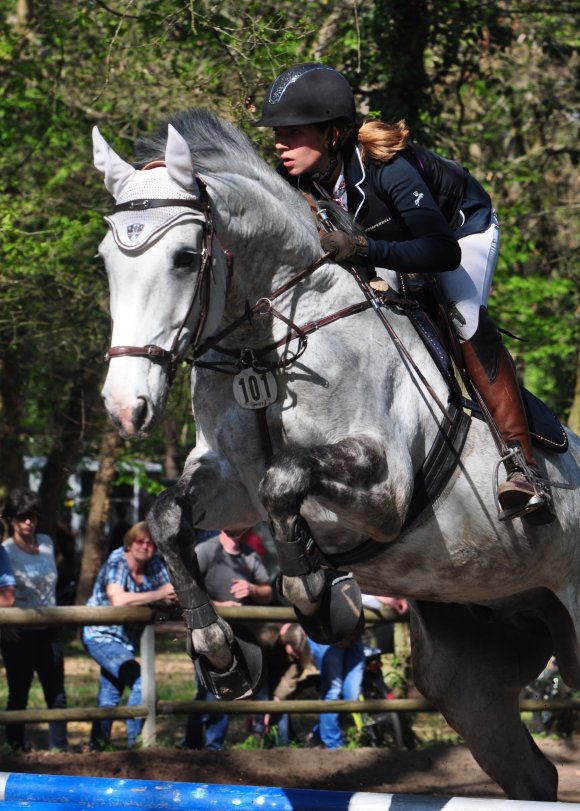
x: 493, y: 84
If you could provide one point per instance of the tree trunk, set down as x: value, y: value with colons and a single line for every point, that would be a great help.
x: 12, y: 444
x: 65, y: 452
x: 574, y: 416
x: 171, y: 465
x: 94, y: 547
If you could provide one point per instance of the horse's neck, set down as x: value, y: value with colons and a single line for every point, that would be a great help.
x: 271, y: 241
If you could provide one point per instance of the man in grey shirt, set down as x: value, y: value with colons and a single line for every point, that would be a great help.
x: 233, y: 575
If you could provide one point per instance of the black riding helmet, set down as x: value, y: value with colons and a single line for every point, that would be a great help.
x: 307, y: 94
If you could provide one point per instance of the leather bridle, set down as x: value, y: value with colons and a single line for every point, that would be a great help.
x: 201, y: 289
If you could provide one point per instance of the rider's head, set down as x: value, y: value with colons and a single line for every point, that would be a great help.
x: 309, y: 106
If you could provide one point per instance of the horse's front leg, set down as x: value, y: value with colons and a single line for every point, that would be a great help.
x: 228, y: 666
x: 347, y: 477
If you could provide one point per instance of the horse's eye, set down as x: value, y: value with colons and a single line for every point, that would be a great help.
x: 184, y: 259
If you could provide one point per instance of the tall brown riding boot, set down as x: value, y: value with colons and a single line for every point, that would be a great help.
x: 492, y: 372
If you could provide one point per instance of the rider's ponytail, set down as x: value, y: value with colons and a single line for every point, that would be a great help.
x: 380, y: 142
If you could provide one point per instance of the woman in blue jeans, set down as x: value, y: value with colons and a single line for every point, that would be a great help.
x: 132, y: 575
x: 341, y: 677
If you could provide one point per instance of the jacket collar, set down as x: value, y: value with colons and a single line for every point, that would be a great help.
x: 354, y: 172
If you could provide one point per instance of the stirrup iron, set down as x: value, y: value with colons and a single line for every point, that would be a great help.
x: 514, y: 459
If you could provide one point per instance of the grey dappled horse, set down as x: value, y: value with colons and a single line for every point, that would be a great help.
x: 324, y: 432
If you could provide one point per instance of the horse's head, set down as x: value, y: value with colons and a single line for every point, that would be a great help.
x: 161, y: 266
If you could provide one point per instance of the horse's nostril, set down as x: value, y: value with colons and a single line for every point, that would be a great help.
x: 140, y: 413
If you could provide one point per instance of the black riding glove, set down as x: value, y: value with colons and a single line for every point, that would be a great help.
x: 345, y: 247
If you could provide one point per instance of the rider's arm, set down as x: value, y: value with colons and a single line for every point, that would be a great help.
x: 430, y: 245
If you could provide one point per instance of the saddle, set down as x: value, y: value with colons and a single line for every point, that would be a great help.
x: 432, y: 322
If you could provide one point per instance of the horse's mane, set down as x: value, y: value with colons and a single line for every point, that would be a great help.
x: 216, y: 145
x: 218, y: 148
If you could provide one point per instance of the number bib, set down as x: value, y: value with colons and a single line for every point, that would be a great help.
x: 255, y: 389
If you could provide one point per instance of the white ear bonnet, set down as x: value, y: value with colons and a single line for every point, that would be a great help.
x: 137, y: 228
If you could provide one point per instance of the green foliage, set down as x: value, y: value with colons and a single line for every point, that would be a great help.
x: 491, y: 84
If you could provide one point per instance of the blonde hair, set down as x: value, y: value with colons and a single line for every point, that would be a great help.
x: 138, y: 530
x: 380, y: 142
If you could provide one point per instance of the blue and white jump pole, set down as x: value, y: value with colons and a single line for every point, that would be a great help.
x: 46, y: 792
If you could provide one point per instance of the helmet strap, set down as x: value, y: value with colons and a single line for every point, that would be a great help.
x: 324, y: 177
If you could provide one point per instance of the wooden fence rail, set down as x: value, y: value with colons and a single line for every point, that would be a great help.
x: 151, y: 707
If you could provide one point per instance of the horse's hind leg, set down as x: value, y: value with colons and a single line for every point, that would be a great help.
x: 228, y: 666
x: 472, y: 666
x: 328, y: 602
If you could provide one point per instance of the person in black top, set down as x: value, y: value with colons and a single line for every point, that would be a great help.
x: 419, y: 213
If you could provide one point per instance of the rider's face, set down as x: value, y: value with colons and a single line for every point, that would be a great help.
x: 302, y: 149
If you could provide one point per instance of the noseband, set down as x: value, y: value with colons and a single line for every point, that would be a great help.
x: 201, y: 290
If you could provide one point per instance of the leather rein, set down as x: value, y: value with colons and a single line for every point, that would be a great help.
x: 246, y: 357
x: 249, y: 357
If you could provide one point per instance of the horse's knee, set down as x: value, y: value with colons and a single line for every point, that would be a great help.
x: 163, y: 516
x: 285, y: 485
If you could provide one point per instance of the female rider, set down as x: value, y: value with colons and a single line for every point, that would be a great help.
x: 421, y: 214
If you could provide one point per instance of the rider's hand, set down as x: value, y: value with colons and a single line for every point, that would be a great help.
x: 345, y: 247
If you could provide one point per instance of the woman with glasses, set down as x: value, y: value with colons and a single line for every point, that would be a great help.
x: 29, y: 650
x: 133, y: 574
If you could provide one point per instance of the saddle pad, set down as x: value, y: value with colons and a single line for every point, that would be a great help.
x: 545, y: 427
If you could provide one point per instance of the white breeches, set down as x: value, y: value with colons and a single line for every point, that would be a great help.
x: 467, y: 287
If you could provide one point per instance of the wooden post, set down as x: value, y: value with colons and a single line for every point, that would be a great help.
x: 148, y: 687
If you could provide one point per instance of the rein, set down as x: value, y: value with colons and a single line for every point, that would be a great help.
x: 251, y: 357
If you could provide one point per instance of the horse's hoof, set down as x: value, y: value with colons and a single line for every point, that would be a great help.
x: 242, y: 678
x: 339, y: 618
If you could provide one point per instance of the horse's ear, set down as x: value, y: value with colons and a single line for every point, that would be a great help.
x: 117, y: 171
x: 178, y: 160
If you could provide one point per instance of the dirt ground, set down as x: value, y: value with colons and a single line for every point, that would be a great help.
x: 440, y: 769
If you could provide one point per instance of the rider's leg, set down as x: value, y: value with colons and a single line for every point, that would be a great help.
x: 492, y: 371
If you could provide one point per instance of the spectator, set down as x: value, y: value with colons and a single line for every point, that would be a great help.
x: 29, y: 650
x: 286, y: 657
x: 132, y: 575
x: 7, y: 580
x: 255, y: 541
x: 341, y: 674
x: 233, y: 575
x: 381, y: 634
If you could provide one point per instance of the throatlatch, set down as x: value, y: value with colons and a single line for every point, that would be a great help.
x: 338, y: 616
